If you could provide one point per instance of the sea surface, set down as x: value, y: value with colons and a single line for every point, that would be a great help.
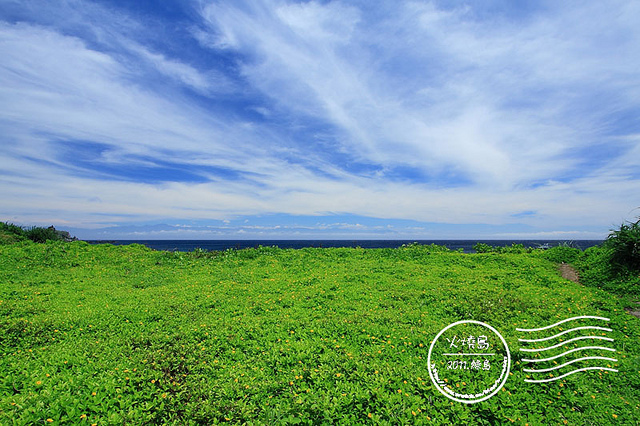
x: 465, y: 245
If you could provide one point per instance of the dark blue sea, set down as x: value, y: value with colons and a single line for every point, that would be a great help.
x: 465, y: 245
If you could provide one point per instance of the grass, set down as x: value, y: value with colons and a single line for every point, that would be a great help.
x: 125, y: 335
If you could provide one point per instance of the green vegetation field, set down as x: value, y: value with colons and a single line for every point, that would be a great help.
x: 126, y: 335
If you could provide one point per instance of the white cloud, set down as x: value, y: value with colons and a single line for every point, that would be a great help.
x: 332, y: 23
x: 177, y: 70
x: 54, y: 87
x: 310, y: 58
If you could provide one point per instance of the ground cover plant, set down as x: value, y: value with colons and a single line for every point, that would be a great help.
x: 613, y: 266
x: 125, y: 335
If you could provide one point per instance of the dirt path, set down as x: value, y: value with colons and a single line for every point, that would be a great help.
x: 634, y: 311
x: 569, y: 273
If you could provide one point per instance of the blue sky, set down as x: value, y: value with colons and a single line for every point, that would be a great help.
x: 320, y: 119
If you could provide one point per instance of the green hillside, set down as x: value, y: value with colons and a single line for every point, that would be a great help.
x: 122, y: 334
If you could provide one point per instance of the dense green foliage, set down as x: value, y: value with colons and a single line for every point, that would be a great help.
x: 513, y: 248
x: 40, y: 235
x: 113, y: 335
x: 624, y: 244
x: 10, y: 233
x: 562, y: 254
x: 597, y: 270
x: 613, y: 266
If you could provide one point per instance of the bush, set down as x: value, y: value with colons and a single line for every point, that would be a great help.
x: 10, y: 228
x: 562, y: 254
x: 8, y: 238
x: 483, y: 248
x: 40, y: 235
x: 513, y: 248
x: 625, y: 246
x: 10, y: 233
x: 597, y: 270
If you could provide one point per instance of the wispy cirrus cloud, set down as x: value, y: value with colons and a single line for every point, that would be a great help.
x: 441, y: 90
x: 425, y: 111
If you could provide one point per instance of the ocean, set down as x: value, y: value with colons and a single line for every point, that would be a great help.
x: 465, y: 245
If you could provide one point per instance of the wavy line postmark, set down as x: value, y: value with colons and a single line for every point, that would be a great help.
x: 545, y: 339
x: 469, y: 361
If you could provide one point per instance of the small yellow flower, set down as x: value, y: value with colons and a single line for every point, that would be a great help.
x: 93, y: 394
x: 50, y: 420
x: 153, y: 380
x: 615, y: 416
x: 84, y: 416
x: 370, y: 415
x: 338, y: 375
x: 38, y: 383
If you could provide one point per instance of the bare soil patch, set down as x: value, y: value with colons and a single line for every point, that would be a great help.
x: 634, y: 311
x: 569, y: 273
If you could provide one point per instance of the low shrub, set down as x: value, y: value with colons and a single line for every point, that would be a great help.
x: 10, y: 233
x: 625, y: 246
x: 513, y: 248
x: 483, y: 248
x: 598, y: 270
x: 614, y: 266
x: 562, y: 254
x: 40, y: 235
x: 10, y: 228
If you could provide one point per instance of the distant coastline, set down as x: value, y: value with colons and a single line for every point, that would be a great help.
x: 465, y: 245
